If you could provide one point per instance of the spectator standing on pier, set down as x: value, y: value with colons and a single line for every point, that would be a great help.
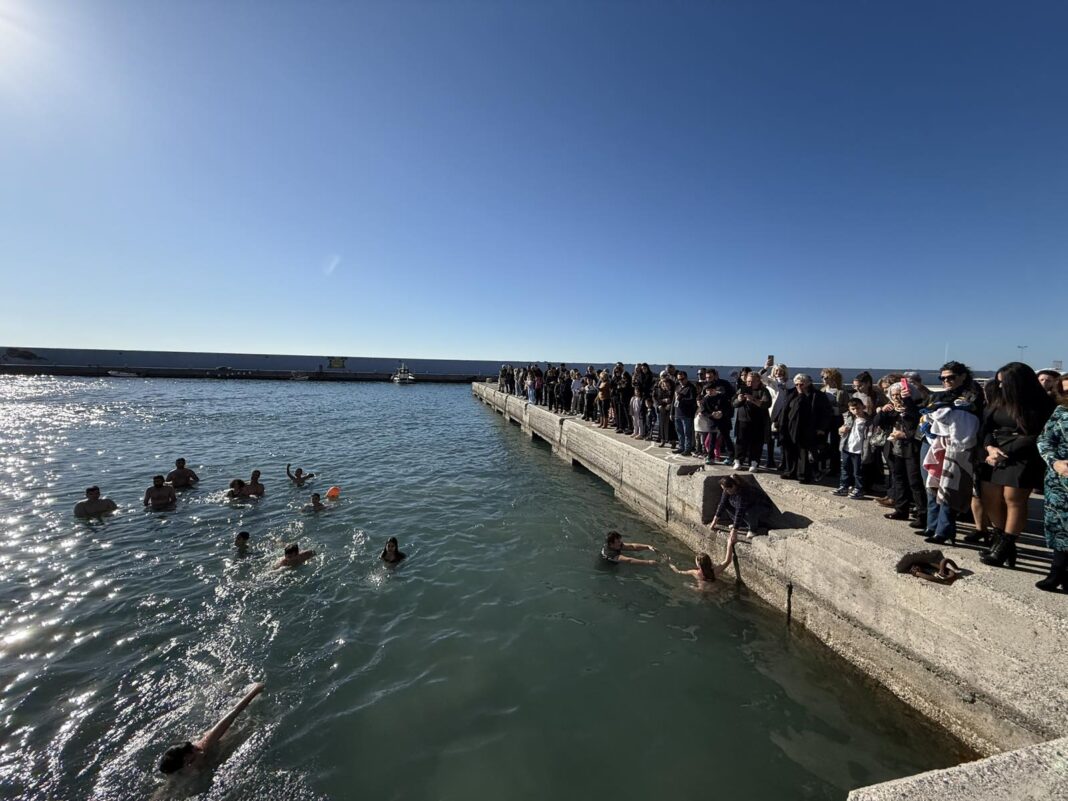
x: 752, y: 403
x: 685, y: 409
x: 777, y: 381
x: 902, y: 421
x: 839, y: 398
x: 717, y: 409
x: 664, y: 397
x: 1017, y: 415
x: 578, y: 393
x: 604, y: 398
x: 1053, y: 448
x: 805, y: 419
x: 952, y: 435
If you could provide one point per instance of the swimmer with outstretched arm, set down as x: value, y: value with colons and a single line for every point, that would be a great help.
x: 705, y: 572
x: 298, y: 477
x: 614, y: 547
x: 188, y: 754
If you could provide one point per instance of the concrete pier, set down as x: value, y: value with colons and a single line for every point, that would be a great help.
x: 983, y: 657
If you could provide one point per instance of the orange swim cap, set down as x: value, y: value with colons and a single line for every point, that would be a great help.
x: 333, y: 493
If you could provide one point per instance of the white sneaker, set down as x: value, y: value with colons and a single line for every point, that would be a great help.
x: 737, y: 465
x: 754, y: 469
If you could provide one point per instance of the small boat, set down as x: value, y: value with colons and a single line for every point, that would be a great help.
x: 403, y: 375
x: 299, y: 377
x: 122, y: 374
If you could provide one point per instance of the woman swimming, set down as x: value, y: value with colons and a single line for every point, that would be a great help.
x: 391, y: 552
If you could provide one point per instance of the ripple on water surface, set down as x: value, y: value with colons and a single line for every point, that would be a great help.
x: 501, y: 660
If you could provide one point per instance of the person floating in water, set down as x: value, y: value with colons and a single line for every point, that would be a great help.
x: 94, y: 505
x: 254, y: 486
x: 705, y: 572
x: 294, y: 556
x: 159, y: 496
x: 298, y: 476
x: 241, y: 541
x: 238, y: 489
x: 391, y: 552
x: 316, y: 504
x: 195, y: 755
x: 746, y: 508
x: 614, y: 547
x: 181, y: 476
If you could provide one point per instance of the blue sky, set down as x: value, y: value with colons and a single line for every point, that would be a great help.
x: 834, y: 182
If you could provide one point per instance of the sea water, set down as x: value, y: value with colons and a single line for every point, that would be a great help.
x: 501, y: 660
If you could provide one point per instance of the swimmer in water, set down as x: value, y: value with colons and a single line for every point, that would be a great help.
x: 391, y: 552
x: 195, y: 755
x: 294, y: 556
x: 705, y: 572
x: 241, y: 541
x: 614, y: 547
x: 94, y: 505
x: 181, y: 476
x: 316, y: 504
x: 254, y: 485
x: 159, y: 496
x: 238, y: 489
x: 298, y: 476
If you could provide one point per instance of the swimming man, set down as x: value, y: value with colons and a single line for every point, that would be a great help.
x: 294, y: 556
x: 299, y: 477
x: 94, y: 505
x: 181, y: 476
x: 194, y: 755
x: 316, y: 504
x: 254, y: 485
x: 159, y: 496
x: 614, y: 547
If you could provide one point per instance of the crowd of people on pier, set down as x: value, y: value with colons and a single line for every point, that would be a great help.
x: 931, y: 456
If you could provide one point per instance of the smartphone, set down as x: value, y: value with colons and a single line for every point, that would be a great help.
x: 771, y: 357
x: 905, y: 387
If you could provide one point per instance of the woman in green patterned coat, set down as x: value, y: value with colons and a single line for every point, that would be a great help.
x: 1053, y: 447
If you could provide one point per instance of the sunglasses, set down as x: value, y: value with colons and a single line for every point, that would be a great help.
x: 950, y: 377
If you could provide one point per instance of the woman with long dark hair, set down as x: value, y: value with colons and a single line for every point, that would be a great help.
x: 1018, y: 411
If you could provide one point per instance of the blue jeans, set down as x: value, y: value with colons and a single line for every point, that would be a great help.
x: 852, y: 475
x: 532, y: 395
x: 941, y: 520
x: 684, y: 426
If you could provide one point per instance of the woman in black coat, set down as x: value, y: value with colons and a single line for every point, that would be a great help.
x: 804, y: 421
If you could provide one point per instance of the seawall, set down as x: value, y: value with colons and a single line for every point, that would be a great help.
x: 982, y: 657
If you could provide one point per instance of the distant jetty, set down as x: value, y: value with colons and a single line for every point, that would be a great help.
x: 176, y: 364
x: 256, y: 366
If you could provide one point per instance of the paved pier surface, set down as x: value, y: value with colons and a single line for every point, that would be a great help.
x: 982, y: 657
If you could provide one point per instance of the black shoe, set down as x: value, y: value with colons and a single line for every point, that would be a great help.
x: 977, y: 537
x: 919, y: 523
x: 941, y: 540
x: 1003, y: 551
x: 1058, y: 573
x: 897, y: 516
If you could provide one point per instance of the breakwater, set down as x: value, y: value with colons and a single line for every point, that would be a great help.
x: 982, y: 657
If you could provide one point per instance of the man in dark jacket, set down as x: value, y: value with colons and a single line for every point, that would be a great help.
x: 685, y: 409
x: 804, y: 422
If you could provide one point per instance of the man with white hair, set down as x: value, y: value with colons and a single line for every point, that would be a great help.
x: 804, y: 421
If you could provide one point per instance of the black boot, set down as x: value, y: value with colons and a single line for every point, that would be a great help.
x: 1058, y: 573
x: 978, y: 537
x: 995, y: 537
x: 1003, y: 551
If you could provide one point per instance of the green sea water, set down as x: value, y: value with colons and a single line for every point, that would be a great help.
x: 502, y: 660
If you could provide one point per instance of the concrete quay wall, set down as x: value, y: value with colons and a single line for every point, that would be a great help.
x: 982, y: 658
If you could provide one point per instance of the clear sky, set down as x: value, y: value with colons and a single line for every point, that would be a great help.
x: 833, y: 182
